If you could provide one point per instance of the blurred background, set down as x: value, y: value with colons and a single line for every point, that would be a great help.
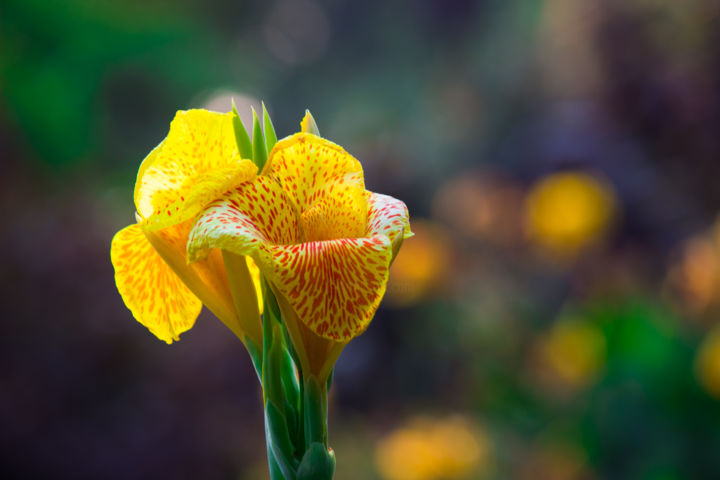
x: 555, y: 317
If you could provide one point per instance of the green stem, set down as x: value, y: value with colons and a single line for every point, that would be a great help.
x: 315, y: 411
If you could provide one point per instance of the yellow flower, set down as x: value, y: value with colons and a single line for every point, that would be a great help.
x: 194, y: 165
x: 567, y: 212
x: 433, y: 449
x: 320, y: 239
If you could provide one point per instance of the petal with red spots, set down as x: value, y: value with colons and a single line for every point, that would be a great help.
x: 340, y: 211
x: 334, y: 286
x: 154, y: 294
x: 194, y: 165
x: 387, y: 216
x: 253, y: 215
x: 304, y: 164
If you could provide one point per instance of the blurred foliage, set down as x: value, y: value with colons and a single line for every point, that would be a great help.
x: 559, y: 159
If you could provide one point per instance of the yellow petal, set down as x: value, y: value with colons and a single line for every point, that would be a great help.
x: 156, y: 297
x: 207, y: 279
x: 304, y: 164
x: 334, y: 286
x: 194, y: 165
x: 255, y: 276
x: 339, y: 211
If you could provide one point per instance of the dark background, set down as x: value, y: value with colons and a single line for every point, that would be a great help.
x: 560, y: 162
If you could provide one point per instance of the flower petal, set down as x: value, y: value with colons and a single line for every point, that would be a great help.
x: 334, y: 286
x: 156, y: 296
x: 303, y: 164
x: 387, y: 216
x: 339, y: 212
x: 195, y: 164
x: 254, y: 214
x: 208, y: 279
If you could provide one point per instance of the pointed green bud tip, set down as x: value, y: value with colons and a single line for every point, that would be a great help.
x: 308, y: 125
x: 242, y: 139
x: 269, y: 130
x: 318, y: 463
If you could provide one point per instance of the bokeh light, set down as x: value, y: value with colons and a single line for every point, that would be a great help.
x: 433, y: 449
x: 421, y: 266
x: 568, y: 212
x: 572, y: 353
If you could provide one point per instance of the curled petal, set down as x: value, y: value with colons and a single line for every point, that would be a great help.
x: 255, y: 214
x: 195, y: 164
x: 387, y: 216
x: 156, y: 296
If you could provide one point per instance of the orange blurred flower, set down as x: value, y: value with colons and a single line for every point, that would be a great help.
x: 433, y: 449
x: 421, y: 265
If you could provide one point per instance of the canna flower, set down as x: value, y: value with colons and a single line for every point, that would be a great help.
x: 323, y: 243
x: 197, y: 163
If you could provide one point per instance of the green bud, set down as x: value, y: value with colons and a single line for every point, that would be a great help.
x: 241, y: 135
x: 270, y: 136
x: 318, y: 463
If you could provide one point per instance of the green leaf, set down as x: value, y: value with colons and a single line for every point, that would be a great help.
x: 272, y: 368
x: 318, y: 463
x: 258, y: 145
x: 275, y: 470
x: 241, y: 135
x: 270, y: 136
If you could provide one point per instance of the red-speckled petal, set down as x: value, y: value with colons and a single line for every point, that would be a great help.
x: 334, y: 286
x: 194, y: 165
x: 304, y: 164
x: 387, y: 216
x: 255, y: 214
x: 340, y: 211
x: 156, y: 296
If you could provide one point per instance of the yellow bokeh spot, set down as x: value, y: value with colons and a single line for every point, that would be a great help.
x: 574, y: 352
x: 420, y: 265
x: 707, y: 363
x: 567, y: 212
x: 433, y: 449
